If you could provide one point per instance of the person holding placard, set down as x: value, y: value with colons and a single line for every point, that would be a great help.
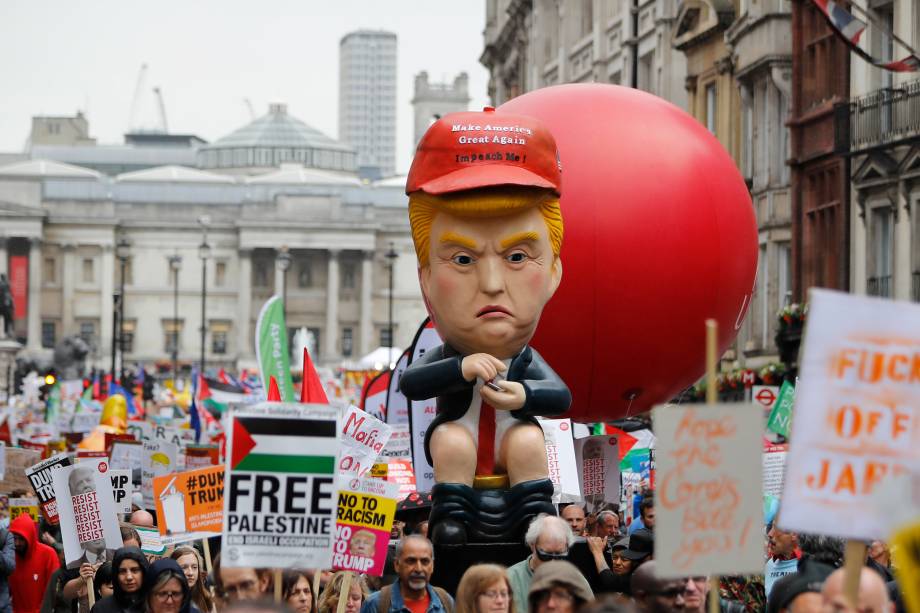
x: 129, y: 567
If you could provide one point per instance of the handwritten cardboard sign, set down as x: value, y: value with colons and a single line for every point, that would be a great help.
x: 856, y: 423
x: 190, y: 505
x: 363, y: 437
x: 17, y: 461
x: 364, y: 517
x: 708, y: 499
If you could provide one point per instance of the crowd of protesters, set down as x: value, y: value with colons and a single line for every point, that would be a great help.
x: 802, y: 574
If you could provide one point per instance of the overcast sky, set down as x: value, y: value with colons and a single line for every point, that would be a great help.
x: 208, y: 56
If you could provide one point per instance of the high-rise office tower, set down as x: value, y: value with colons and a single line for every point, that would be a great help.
x: 367, y: 99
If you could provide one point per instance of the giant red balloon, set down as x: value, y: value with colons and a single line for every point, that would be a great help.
x: 660, y: 235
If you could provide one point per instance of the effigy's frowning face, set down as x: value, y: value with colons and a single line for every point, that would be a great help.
x: 487, y: 279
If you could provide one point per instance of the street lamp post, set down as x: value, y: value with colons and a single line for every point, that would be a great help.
x: 283, y: 262
x: 116, y: 299
x: 204, y: 252
x: 391, y: 256
x: 122, y: 251
x: 175, y: 263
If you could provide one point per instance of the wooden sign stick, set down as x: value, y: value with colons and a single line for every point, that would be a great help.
x: 208, y: 563
x: 317, y: 575
x: 278, y: 585
x: 854, y: 558
x: 90, y: 592
x: 344, y: 592
x: 712, y: 329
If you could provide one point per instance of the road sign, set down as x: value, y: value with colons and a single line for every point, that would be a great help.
x: 764, y: 395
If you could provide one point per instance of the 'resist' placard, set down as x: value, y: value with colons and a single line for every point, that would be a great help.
x: 280, y: 497
x: 856, y: 423
x: 86, y: 509
x: 708, y: 501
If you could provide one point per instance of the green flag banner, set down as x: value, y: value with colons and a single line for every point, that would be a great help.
x: 781, y: 415
x: 272, y: 348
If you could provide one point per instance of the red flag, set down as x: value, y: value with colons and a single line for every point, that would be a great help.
x: 626, y: 440
x: 274, y: 394
x: 311, y: 390
x: 204, y: 390
x: 222, y: 375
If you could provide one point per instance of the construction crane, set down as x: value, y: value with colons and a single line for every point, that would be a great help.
x: 162, y: 108
x: 136, y: 100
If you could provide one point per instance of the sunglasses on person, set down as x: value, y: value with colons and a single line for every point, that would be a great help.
x: 546, y: 556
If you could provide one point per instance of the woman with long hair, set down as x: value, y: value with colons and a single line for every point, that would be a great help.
x: 484, y: 588
x: 166, y: 589
x: 357, y: 593
x: 189, y: 560
x: 297, y: 591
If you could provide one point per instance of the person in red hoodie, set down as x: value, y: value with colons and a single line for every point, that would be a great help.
x: 35, y: 563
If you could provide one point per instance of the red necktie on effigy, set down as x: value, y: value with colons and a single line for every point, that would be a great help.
x: 485, y: 450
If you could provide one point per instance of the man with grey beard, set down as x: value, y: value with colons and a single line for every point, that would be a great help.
x: 411, y: 592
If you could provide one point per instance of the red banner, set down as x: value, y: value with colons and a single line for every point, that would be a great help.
x: 19, y: 285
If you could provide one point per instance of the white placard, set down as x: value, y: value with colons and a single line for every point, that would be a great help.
x: 158, y: 458
x: 87, y: 514
x: 708, y: 500
x: 598, y: 461
x: 560, y: 456
x: 856, y: 421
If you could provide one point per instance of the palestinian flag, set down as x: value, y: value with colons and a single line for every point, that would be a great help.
x: 283, y: 445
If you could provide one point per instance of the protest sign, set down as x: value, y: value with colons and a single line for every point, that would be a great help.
x: 774, y: 466
x: 374, y: 395
x: 398, y: 471
x: 86, y: 509
x: 400, y: 443
x: 17, y: 462
x: 151, y: 543
x: 422, y: 412
x: 157, y: 458
x: 363, y: 438
x: 279, y: 508
x: 126, y: 454
x: 560, y: 458
x: 364, y: 517
x: 83, y: 422
x: 147, y: 431
x: 856, y: 423
x: 201, y: 456
x: 396, y: 402
x: 708, y: 503
x: 598, y: 462
x: 122, y: 488
x: 781, y: 415
x: 190, y: 505
x: 23, y: 506
x: 40, y: 477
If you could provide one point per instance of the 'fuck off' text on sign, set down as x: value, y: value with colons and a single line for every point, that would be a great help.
x: 857, y: 414
x: 708, y: 498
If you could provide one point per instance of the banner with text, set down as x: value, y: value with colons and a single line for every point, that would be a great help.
x: 41, y: 478
x: 364, y: 518
x: 190, y: 505
x: 363, y: 438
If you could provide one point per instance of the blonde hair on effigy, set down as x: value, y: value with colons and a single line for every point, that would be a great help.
x: 493, y: 202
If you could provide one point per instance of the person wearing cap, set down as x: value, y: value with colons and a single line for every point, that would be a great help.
x: 558, y: 587
x: 484, y: 212
x: 626, y: 556
x: 549, y: 538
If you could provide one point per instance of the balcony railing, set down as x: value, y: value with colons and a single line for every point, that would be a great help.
x: 881, y: 117
x: 915, y: 286
x: 879, y: 286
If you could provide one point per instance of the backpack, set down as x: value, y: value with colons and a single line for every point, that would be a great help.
x: 386, y: 593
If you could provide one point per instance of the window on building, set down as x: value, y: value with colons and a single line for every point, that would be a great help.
x: 305, y: 274
x: 260, y: 276
x: 879, y: 281
x: 782, y: 109
x: 220, y: 330
x: 385, y: 338
x: 220, y: 274
x: 89, y: 270
x: 747, y: 135
x: 48, y: 334
x: 349, y: 275
x: 172, y: 333
x: 783, y: 274
x: 88, y: 332
x: 711, y: 107
x: 347, y: 342
x: 49, y: 270
x: 127, y: 340
x: 645, y: 78
x: 587, y: 17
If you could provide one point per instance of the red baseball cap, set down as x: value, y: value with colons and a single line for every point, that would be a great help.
x: 475, y: 149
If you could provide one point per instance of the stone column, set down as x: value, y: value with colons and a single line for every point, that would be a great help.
x: 279, y: 276
x: 901, y: 268
x: 332, y: 306
x: 106, y: 304
x: 367, y: 304
x: 68, y: 279
x: 34, y: 328
x: 245, y: 340
x: 4, y: 258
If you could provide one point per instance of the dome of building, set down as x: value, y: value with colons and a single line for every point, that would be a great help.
x: 272, y: 140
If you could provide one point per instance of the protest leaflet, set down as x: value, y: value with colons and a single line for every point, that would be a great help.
x: 708, y: 501
x: 774, y: 466
x: 400, y: 443
x: 190, y: 505
x: 363, y: 438
x: 560, y: 456
x: 151, y: 543
x: 598, y: 461
x: 281, y: 495
x: 86, y: 509
x: 364, y: 518
x: 855, y: 424
x: 40, y: 477
x: 158, y: 458
x: 398, y: 471
x: 23, y: 506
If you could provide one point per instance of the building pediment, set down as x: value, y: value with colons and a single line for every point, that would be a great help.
x: 878, y: 168
x: 910, y: 165
x: 699, y: 19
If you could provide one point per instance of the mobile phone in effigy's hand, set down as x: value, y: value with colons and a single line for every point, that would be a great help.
x: 494, y: 386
